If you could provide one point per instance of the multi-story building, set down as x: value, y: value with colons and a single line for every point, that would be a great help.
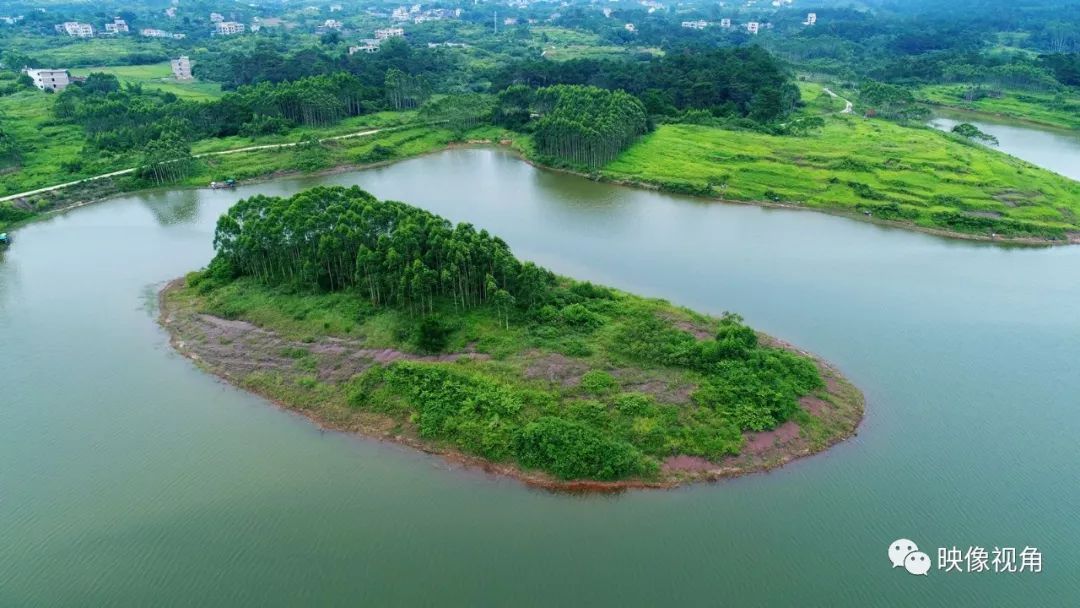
x: 367, y: 45
x: 181, y: 68
x: 390, y: 32
x: 228, y: 28
x: 49, y: 80
x: 76, y: 29
x: 118, y: 26
x: 753, y: 27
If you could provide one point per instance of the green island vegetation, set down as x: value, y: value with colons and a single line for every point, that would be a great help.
x: 389, y: 317
x: 829, y: 115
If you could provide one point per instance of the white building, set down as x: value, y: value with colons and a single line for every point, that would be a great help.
x: 76, y: 29
x: 181, y: 68
x: 695, y: 25
x: 630, y: 27
x: 811, y: 19
x: 367, y: 45
x: 400, y: 14
x: 332, y: 24
x: 390, y: 32
x: 49, y: 80
x: 217, y: 17
x: 118, y: 26
x: 170, y: 12
x: 228, y: 28
x: 335, y: 8
x: 753, y: 27
x: 725, y: 23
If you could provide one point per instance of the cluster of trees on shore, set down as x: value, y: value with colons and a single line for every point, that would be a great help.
x: 397, y: 255
x: 587, y: 125
x: 745, y: 82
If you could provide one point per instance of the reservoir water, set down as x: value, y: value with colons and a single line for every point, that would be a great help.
x: 1055, y: 149
x: 128, y: 477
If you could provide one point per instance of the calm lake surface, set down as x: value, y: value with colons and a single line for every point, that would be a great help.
x: 1055, y: 149
x: 128, y: 477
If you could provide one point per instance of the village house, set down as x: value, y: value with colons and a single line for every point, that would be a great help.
x: 149, y: 32
x: 49, y: 80
x: 76, y: 29
x: 695, y: 25
x: 390, y: 32
x: 118, y: 26
x: 228, y: 28
x: 335, y: 8
x: 332, y: 24
x: 181, y: 68
x: 753, y: 27
x: 725, y: 23
x: 367, y: 45
x: 217, y: 17
x: 630, y: 27
x: 811, y: 19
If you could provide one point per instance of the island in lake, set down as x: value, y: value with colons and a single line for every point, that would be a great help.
x: 384, y: 319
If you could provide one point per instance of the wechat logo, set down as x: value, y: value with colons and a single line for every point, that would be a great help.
x: 904, y: 553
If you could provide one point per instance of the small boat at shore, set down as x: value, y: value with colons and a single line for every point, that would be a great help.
x: 229, y: 183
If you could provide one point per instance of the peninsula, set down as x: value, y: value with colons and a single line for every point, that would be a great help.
x: 383, y: 319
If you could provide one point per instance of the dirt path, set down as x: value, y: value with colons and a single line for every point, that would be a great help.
x: 847, y: 104
x: 12, y: 197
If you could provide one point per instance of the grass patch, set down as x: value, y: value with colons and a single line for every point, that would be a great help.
x: 912, y: 175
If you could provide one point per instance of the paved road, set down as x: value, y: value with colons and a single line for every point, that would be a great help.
x: 12, y: 197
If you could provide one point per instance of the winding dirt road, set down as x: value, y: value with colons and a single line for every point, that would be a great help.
x: 847, y: 104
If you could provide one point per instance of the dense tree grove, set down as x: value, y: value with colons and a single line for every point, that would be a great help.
x: 738, y: 82
x: 337, y: 238
x: 120, y: 118
x: 587, y: 125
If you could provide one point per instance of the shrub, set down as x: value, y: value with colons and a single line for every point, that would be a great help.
x: 598, y: 382
x: 572, y: 450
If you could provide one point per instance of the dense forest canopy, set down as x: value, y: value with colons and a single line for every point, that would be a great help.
x: 587, y: 125
x: 335, y: 239
x: 743, y: 81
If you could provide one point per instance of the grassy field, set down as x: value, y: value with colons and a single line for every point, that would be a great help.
x: 64, y: 52
x: 1056, y: 110
x: 911, y: 175
x: 157, y: 76
x: 48, y: 146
